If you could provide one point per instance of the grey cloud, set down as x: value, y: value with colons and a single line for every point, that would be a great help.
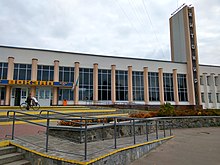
x: 119, y: 27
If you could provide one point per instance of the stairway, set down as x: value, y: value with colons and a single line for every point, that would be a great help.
x: 10, y: 156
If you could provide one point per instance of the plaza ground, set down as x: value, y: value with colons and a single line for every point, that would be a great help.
x: 195, y: 146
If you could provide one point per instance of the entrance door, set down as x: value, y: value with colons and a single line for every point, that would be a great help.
x: 44, y: 96
x: 17, y: 97
x: 2, y: 95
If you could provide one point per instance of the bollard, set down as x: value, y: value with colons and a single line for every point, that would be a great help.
x: 134, y: 131
x: 115, y: 133
x: 47, y: 132
x: 85, y: 157
x: 164, y: 131
x: 170, y: 128
x: 156, y: 129
x: 13, y: 127
x: 147, y: 131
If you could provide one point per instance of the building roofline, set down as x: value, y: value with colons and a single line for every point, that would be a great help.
x: 217, y: 66
x: 96, y: 55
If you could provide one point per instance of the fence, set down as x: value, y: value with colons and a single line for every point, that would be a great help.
x: 121, y: 128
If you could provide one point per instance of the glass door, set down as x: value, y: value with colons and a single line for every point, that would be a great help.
x: 43, y: 95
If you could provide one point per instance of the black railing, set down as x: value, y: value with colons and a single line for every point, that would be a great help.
x: 149, y: 126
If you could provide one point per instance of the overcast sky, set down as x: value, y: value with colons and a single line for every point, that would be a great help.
x: 126, y: 28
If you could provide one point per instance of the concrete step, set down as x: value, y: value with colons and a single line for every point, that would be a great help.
x: 11, y: 157
x: 19, y: 162
x: 7, y: 150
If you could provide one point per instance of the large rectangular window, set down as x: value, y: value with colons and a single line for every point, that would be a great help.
x: 85, y: 84
x: 201, y: 80
x: 65, y: 94
x: 210, y: 97
x: 45, y: 73
x: 22, y: 71
x: 138, y: 86
x: 104, y: 84
x: 154, y: 91
x: 203, y: 97
x: 3, y: 70
x: 208, y: 80
x: 216, y: 80
x: 121, y: 85
x: 218, y: 97
x: 66, y: 74
x: 182, y: 87
x: 168, y: 86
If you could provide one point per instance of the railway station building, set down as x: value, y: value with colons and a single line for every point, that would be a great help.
x: 80, y: 79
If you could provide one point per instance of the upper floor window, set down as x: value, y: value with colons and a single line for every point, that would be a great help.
x: 218, y: 97
x: 210, y: 97
x: 45, y: 73
x: 3, y: 70
x: 201, y: 80
x: 208, y: 80
x: 66, y: 74
x: 203, y: 97
x: 216, y: 80
x: 22, y: 72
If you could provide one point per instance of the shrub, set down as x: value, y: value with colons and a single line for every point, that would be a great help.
x: 144, y: 114
x: 166, y: 110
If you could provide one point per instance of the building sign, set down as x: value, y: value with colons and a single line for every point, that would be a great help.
x: 63, y: 84
x: 30, y: 82
x: 3, y: 82
x: 36, y: 83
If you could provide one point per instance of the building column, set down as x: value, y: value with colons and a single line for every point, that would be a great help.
x: 113, y: 92
x: 160, y: 74
x: 213, y: 90
x: 95, y: 83
x: 34, y: 75
x: 130, y: 86
x: 55, y: 79
x: 146, y: 91
x: 10, y: 75
x: 205, y: 87
x: 76, y: 80
x: 175, y: 87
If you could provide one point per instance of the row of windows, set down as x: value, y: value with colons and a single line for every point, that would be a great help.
x: 45, y: 73
x: 209, y: 80
x: 104, y: 86
x: 210, y: 97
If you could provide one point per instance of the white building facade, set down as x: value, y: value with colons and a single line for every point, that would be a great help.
x: 81, y: 79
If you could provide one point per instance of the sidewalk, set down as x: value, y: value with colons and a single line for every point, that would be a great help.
x: 196, y: 146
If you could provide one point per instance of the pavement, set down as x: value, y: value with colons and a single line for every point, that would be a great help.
x: 195, y: 146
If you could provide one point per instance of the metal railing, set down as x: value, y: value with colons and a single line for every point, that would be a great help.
x: 148, y: 126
